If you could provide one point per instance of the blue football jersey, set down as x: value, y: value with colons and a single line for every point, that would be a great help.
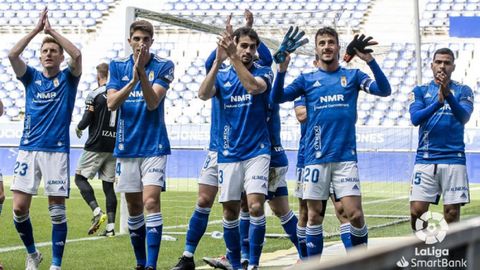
x: 243, y: 131
x: 140, y: 132
x: 441, y: 134
x: 303, y: 130
x: 331, y: 101
x: 214, y: 125
x: 48, y: 110
x: 278, y: 157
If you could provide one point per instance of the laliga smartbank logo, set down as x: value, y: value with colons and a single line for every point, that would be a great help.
x: 431, y: 256
x: 436, y: 229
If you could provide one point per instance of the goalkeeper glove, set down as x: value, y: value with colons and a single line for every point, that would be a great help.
x: 290, y: 43
x: 360, y: 43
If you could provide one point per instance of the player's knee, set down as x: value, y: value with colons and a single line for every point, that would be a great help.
x: 205, y: 201
x: 356, y: 217
x: 314, y: 217
x: 230, y: 214
x: 151, y: 204
x: 255, y: 208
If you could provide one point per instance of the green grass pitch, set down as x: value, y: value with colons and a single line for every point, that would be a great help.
x: 383, y: 203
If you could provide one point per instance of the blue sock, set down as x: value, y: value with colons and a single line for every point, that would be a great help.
x: 59, y: 232
x: 231, y: 235
x: 244, y: 228
x: 154, y: 225
x: 289, y: 223
x: 314, y: 240
x: 25, y: 230
x: 196, y: 228
x: 257, y: 237
x: 345, y: 235
x: 136, y: 227
x: 302, y: 242
x: 359, y: 236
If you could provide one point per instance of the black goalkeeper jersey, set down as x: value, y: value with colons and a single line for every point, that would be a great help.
x: 101, y: 122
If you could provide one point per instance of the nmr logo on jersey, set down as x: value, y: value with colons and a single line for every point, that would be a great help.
x: 46, y: 96
x: 136, y: 94
x: 241, y: 98
x: 331, y: 98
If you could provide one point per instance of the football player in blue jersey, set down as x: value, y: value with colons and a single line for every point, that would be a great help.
x: 331, y: 94
x: 137, y: 88
x: 243, y: 140
x: 301, y: 114
x: 45, y: 143
x: 441, y: 108
x: 208, y: 180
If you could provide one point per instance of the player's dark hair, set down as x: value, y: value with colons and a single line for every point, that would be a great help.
x: 141, y: 25
x: 327, y: 31
x: 246, y: 31
x: 49, y: 39
x: 444, y: 51
x: 102, y: 70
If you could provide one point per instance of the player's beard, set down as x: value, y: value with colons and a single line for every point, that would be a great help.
x: 328, y: 62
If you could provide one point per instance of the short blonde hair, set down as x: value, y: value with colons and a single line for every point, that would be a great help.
x: 49, y: 39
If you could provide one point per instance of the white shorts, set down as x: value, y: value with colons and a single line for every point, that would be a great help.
x: 250, y: 175
x: 92, y: 162
x: 209, y: 173
x: 430, y: 181
x: 342, y: 175
x: 31, y: 166
x: 134, y: 173
x: 299, y: 183
x: 277, y: 184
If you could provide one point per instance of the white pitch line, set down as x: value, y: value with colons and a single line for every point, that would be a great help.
x: 385, y: 200
x: 44, y: 244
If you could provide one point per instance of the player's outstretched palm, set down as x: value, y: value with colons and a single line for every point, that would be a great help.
x: 248, y: 18
x: 41, y: 21
x: 226, y: 42
x: 48, y: 27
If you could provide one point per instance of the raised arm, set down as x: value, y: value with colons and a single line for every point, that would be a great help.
x: 18, y: 65
x: 380, y: 86
x: 264, y: 55
x: 153, y: 94
x: 462, y: 109
x: 253, y: 85
x: 418, y: 111
x: 207, y: 88
x: 280, y: 94
x: 116, y: 95
x: 75, y: 63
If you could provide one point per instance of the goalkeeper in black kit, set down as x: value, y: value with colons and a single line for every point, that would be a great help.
x: 97, y: 156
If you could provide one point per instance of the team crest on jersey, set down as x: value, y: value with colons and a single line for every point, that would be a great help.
x: 151, y: 75
x: 55, y: 82
x: 343, y: 81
